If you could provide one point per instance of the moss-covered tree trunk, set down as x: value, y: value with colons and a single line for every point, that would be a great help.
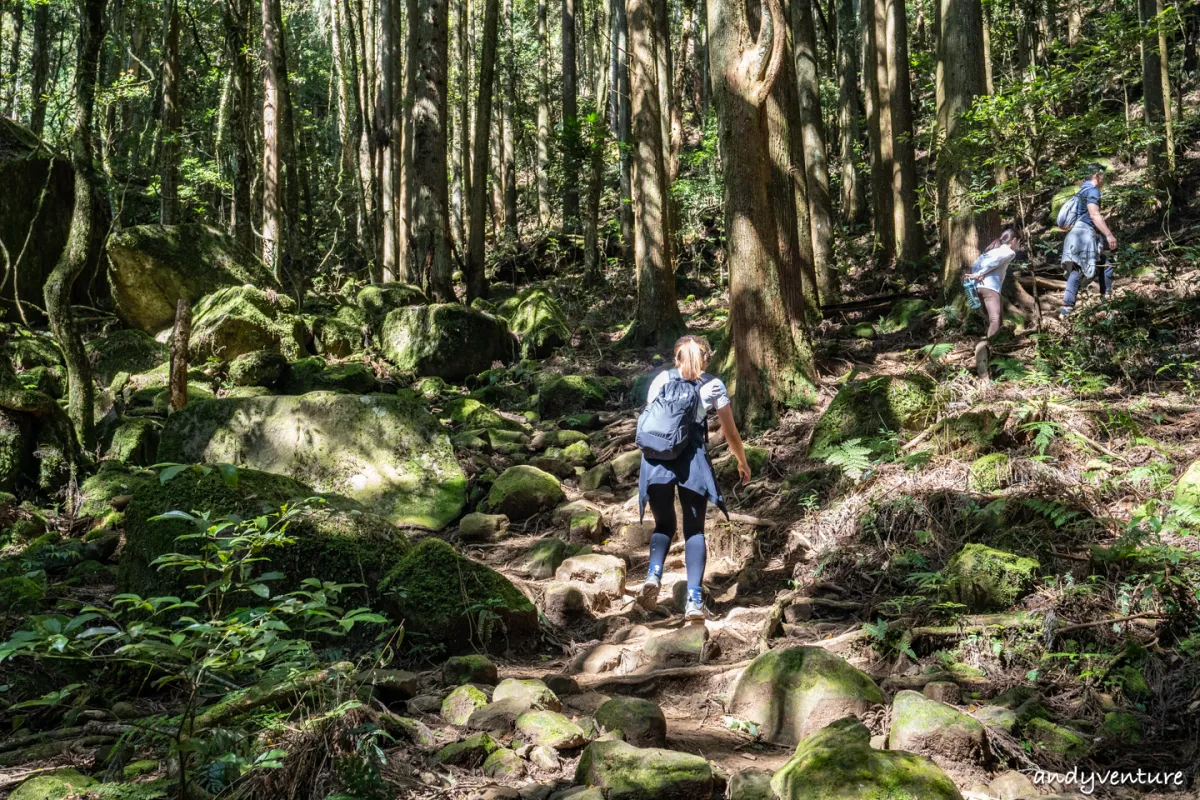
x: 168, y: 158
x: 854, y: 201
x: 236, y: 20
x: 879, y: 126
x: 658, y: 318
x: 771, y: 346
x: 82, y: 242
x: 508, y: 147
x: 960, y: 79
x: 543, y: 116
x: 273, y: 226
x: 474, y: 273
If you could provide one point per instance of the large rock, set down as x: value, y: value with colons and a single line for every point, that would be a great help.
x: 925, y: 726
x: 522, y: 491
x: 340, y: 541
x: 861, y: 408
x: 26, y: 167
x: 152, y: 266
x: 791, y: 692
x: 241, y: 319
x: 532, y: 692
x: 16, y: 449
x: 985, y: 579
x: 385, y: 451
x: 1187, y: 491
x: 484, y: 607
x: 625, y: 772
x: 640, y: 721
x: 550, y: 729
x: 128, y: 350
x: 597, y: 575
x: 58, y: 785
x: 838, y: 763
x: 447, y: 341
x: 559, y: 395
x: 377, y: 300
x: 538, y: 320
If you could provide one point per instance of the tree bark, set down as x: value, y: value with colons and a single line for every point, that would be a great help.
x: 385, y: 135
x: 1164, y: 63
x: 910, y: 244
x: 171, y: 120
x: 41, y: 68
x: 473, y: 275
x: 621, y: 117
x: 82, y: 243
x: 236, y: 19
x: 14, y: 62
x: 1152, y: 90
x: 430, y: 222
x: 774, y: 363
x: 508, y: 141
x: 1075, y: 23
x: 854, y: 201
x: 543, y: 117
x: 658, y: 319
x: 989, y: 80
x: 597, y: 141
x: 273, y: 225
x: 961, y: 77
x: 879, y: 124
x: 181, y: 335
x: 570, y: 121
x: 667, y: 105
x: 816, y: 166
x: 464, y: 121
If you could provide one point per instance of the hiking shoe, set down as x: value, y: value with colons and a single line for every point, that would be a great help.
x: 647, y: 596
x: 694, y: 611
x: 1065, y: 312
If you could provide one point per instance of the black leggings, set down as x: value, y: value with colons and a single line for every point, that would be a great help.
x: 662, y: 505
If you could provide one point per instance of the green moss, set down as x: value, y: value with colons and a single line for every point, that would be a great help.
x: 385, y: 451
x: 430, y: 388
x: 969, y: 433
x: 58, y: 785
x: 625, y: 772
x: 990, y: 473
x: 19, y: 595
x: 339, y: 542
x: 838, y: 763
x: 503, y: 762
x: 137, y: 769
x: 641, y: 722
x: 458, y: 706
x: 90, y: 573
x: 47, y: 380
x: 241, y: 319
x: 112, y: 480
x: 1187, y: 490
x: 538, y: 320
x: 1063, y: 742
x: 904, y: 315
x: 416, y: 592
x: 379, y: 299
x: 257, y: 368
x: 1123, y: 726
x: 549, y: 729
x: 469, y: 414
x: 133, y: 442
x: 923, y: 725
x: 545, y: 557
x: 341, y: 334
x: 522, y: 491
x: 559, y: 395
x: 579, y: 453
x: 470, y: 752
x: 985, y: 579
x: 532, y: 692
x: 127, y: 350
x: 469, y: 669
x: 27, y: 350
x: 448, y: 341
x: 313, y: 375
x: 16, y: 450
x: 862, y: 408
x: 197, y: 392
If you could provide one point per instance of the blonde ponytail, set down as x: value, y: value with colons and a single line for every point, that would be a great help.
x: 691, y: 357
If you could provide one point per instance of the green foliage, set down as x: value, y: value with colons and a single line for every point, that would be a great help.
x: 851, y: 456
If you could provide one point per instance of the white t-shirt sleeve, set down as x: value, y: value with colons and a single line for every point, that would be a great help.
x: 713, y: 395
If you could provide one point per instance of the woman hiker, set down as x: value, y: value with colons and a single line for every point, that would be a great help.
x: 989, y: 271
x: 689, y: 473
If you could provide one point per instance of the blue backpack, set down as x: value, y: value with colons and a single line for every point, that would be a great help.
x: 665, y: 427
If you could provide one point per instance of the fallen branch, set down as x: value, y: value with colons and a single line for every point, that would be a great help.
x: 673, y: 672
x: 256, y: 697
x: 46, y: 750
x: 1097, y: 623
x: 93, y: 727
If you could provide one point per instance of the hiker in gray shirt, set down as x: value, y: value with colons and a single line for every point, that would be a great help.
x: 1085, y: 241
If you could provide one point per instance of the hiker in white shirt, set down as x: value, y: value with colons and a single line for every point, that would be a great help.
x: 989, y: 271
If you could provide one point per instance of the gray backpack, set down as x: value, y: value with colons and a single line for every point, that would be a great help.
x: 665, y: 427
x: 1070, y: 212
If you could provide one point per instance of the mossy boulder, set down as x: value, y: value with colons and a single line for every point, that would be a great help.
x: 486, y: 609
x: 791, y: 692
x: 19, y: 595
x: 640, y: 722
x: 1046, y: 736
x: 470, y: 752
x: 133, y: 441
x: 544, y: 558
x: 16, y: 449
x: 1122, y: 726
x: 990, y: 473
x: 258, y: 368
x: 377, y: 300
x: 986, y: 579
x: 127, y: 350
x: 905, y: 314
x: 538, y: 320
x: 837, y: 762
x: 341, y: 334
x: 112, y: 480
x: 624, y: 772
x: 549, y: 729
x: 28, y: 350
x: 385, y: 451
x: 152, y: 266
x: 970, y: 433
x: 314, y: 375
x: 47, y: 380
x: 503, y: 763
x: 751, y: 784
x: 469, y: 669
x: 461, y: 703
x: 466, y: 413
x: 1187, y: 490
x: 58, y: 785
x: 559, y: 395
x: 241, y: 319
x: 530, y: 691
x: 340, y: 541
x: 925, y: 726
x: 522, y: 491
x: 477, y: 527
x: 447, y: 341
x: 862, y: 408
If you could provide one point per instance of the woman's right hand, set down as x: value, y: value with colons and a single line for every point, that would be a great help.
x: 744, y: 471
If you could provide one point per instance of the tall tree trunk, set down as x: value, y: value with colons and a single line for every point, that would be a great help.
x: 570, y: 121
x: 658, y: 318
x: 14, y: 62
x: 961, y: 77
x: 669, y: 102
x: 236, y: 19
x: 273, y: 223
x: 597, y: 144
x: 509, y: 152
x: 621, y: 130
x: 408, y: 271
x: 463, y: 168
x: 910, y: 244
x: 1075, y: 22
x: 171, y: 119
x: 816, y: 165
x: 774, y: 366
x: 702, y: 58
x: 344, y: 202
x: 543, y: 116
x: 389, y: 61
x: 82, y: 243
x: 854, y: 201
x: 473, y: 275
x: 685, y: 78
x: 989, y: 80
x: 1152, y: 91
x: 879, y: 123
x: 430, y: 222
x: 41, y: 68
x: 1164, y: 63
